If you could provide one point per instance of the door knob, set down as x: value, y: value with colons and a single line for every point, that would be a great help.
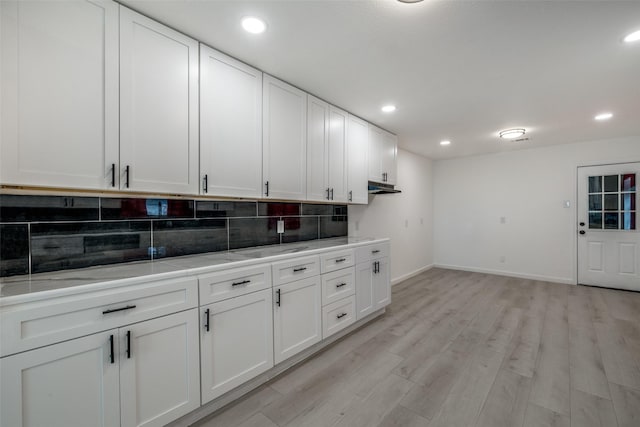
x: 582, y: 232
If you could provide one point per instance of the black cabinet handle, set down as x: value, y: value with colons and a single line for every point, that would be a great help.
x: 375, y: 251
x: 112, y: 356
x: 332, y: 194
x: 376, y: 267
x: 341, y: 315
x: 295, y: 270
x: 205, y: 183
x: 351, y: 196
x: 128, y: 344
x: 126, y: 174
x: 582, y: 232
x: 206, y: 322
x: 266, y: 184
x: 339, y: 260
x: 278, y: 297
x: 244, y: 282
x: 113, y: 310
x: 113, y: 174
x: 341, y: 285
x: 328, y: 194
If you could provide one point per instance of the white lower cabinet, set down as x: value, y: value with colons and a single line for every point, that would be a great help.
x: 338, y: 315
x: 297, y: 320
x: 145, y: 374
x: 70, y: 384
x: 159, y: 369
x: 236, y: 342
x: 373, y: 288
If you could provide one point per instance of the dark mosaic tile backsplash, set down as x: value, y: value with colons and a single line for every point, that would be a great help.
x: 49, y: 233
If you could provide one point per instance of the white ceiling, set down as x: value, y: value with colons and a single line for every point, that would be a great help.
x: 457, y: 70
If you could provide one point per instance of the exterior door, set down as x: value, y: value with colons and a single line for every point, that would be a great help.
x: 608, y: 236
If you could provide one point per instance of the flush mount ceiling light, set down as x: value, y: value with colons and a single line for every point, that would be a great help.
x: 253, y: 25
x: 512, y: 133
x: 603, y: 116
x: 633, y: 37
x: 445, y: 142
x: 388, y: 108
x: 409, y: 1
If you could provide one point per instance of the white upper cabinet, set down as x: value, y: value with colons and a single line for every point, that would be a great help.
x: 317, y: 149
x: 326, y: 151
x: 383, y: 148
x: 158, y: 107
x: 284, y: 150
x: 59, y: 90
x: 357, y: 160
x: 230, y: 126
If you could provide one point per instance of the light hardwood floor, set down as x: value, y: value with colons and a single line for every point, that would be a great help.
x: 468, y: 349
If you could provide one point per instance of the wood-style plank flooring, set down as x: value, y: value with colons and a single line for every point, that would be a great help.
x: 468, y: 349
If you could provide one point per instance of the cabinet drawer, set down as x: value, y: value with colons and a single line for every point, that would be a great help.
x: 337, y: 285
x: 369, y: 252
x: 232, y: 283
x: 338, y: 315
x: 336, y: 260
x: 41, y: 323
x: 295, y: 269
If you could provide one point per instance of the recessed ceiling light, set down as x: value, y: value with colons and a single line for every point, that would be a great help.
x: 388, y: 108
x: 512, y: 133
x: 445, y: 142
x: 253, y: 25
x: 633, y: 37
x: 603, y: 116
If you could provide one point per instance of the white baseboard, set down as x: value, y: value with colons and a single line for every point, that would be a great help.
x: 564, y: 280
x: 404, y: 277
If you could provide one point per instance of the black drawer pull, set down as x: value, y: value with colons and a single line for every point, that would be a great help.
x: 341, y: 315
x: 113, y: 174
x: 113, y: 310
x: 341, y: 260
x: 341, y: 285
x: 206, y: 323
x: 128, y: 344
x: 375, y: 251
x: 295, y: 270
x: 244, y: 282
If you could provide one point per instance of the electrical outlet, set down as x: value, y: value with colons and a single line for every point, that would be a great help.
x: 503, y: 259
x: 357, y: 225
x: 421, y: 221
x: 280, y: 226
x: 406, y: 223
x: 503, y: 220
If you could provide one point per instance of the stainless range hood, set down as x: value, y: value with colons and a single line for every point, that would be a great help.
x: 378, y: 188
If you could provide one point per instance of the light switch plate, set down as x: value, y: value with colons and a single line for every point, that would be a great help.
x: 280, y: 226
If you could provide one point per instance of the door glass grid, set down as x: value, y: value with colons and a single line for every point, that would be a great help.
x: 612, y: 202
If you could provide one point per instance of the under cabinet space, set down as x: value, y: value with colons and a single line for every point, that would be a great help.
x: 232, y: 283
x: 338, y: 315
x: 337, y: 285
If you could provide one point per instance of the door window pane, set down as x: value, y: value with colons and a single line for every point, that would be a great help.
x: 628, y: 182
x: 611, y: 184
x: 595, y: 184
x: 611, y: 221
x: 627, y: 202
x: 595, y: 220
x: 628, y: 221
x: 610, y: 202
x: 595, y: 202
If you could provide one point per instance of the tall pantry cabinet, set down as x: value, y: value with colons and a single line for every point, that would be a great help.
x: 59, y: 93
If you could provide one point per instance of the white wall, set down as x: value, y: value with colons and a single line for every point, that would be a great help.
x: 406, y: 217
x: 526, y: 187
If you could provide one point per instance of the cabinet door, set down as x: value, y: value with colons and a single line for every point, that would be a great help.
x: 297, y: 317
x: 365, y: 303
x: 158, y: 107
x: 74, y: 383
x: 159, y: 369
x: 230, y: 126
x: 337, y: 154
x: 357, y: 160
x: 389, y: 154
x: 375, y: 156
x: 317, y: 149
x: 284, y: 150
x: 59, y: 85
x: 381, y: 284
x: 238, y: 344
